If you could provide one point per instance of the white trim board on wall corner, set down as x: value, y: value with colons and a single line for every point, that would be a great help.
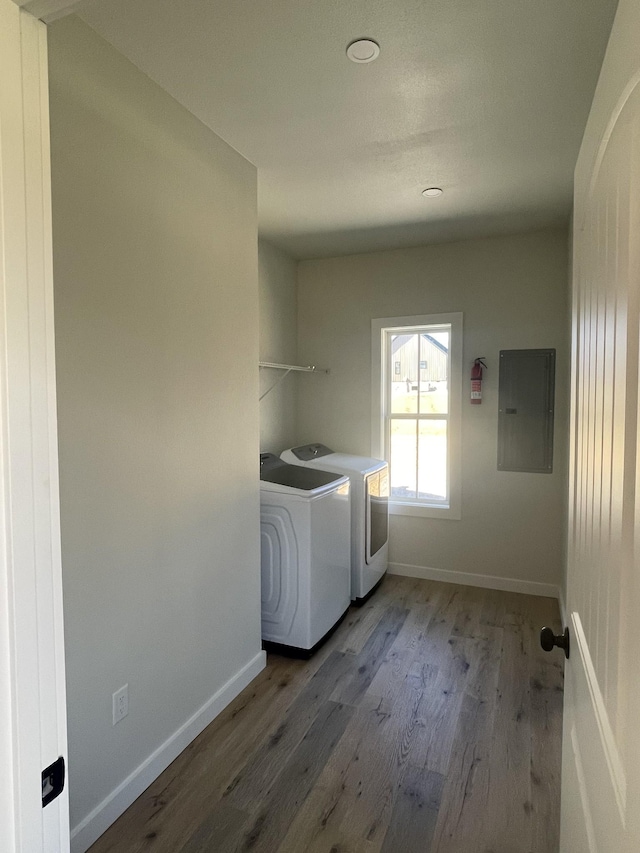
x: 547, y: 590
x: 48, y: 11
x: 562, y: 603
x: 119, y: 800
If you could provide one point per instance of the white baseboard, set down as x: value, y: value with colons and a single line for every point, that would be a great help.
x: 548, y: 590
x: 119, y: 800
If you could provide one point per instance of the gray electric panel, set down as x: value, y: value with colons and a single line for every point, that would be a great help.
x: 526, y: 403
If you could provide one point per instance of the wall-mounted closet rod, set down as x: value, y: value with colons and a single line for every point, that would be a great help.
x: 310, y: 368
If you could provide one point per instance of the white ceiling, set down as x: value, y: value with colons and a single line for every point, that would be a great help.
x: 485, y: 98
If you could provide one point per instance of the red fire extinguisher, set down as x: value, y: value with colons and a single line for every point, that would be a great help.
x: 476, y: 380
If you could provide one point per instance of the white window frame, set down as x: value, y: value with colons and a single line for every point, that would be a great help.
x: 380, y: 392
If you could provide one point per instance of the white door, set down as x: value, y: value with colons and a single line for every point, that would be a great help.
x: 32, y: 695
x: 601, y: 755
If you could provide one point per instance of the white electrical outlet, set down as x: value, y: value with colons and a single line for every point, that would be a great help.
x: 120, y: 704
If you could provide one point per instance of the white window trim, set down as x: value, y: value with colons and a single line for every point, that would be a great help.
x: 378, y: 392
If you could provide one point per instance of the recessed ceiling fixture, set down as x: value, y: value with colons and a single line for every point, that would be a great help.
x: 432, y: 192
x: 363, y: 50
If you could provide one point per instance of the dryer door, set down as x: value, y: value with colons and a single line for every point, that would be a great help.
x: 377, y: 511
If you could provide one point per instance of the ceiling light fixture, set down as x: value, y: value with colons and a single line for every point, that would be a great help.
x: 363, y: 50
x: 432, y: 192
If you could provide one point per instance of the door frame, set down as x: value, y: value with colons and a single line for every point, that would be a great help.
x: 32, y: 678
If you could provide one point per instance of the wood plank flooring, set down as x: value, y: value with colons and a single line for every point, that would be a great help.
x: 430, y: 721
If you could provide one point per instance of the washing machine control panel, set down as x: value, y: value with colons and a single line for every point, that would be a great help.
x: 307, y: 452
x: 269, y: 461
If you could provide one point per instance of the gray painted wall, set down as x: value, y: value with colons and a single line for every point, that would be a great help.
x: 513, y: 293
x: 278, y: 343
x: 155, y: 263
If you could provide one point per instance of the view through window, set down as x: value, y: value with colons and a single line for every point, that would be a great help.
x: 417, y: 370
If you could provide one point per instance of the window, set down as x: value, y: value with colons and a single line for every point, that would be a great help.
x: 416, y: 411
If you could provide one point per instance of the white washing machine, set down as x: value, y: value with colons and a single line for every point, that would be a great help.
x: 305, y: 536
x: 369, y: 510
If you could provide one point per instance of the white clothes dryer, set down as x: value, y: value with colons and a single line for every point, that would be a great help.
x: 305, y: 536
x: 369, y: 510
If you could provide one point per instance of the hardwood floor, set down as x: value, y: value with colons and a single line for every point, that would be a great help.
x: 430, y: 721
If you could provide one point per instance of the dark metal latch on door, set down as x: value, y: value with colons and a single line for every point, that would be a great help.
x: 52, y: 781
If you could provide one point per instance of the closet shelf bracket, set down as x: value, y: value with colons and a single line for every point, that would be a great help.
x: 288, y: 368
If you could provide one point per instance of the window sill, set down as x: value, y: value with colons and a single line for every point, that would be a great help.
x: 424, y: 511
